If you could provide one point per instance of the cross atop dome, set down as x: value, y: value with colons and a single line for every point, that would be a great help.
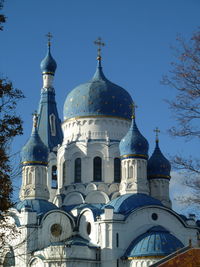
x: 49, y: 37
x: 100, y: 44
x: 157, y: 131
x: 133, y: 106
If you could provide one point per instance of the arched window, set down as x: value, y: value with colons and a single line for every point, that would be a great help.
x: 117, y: 170
x: 54, y: 181
x: 97, y: 169
x: 77, y: 170
x: 9, y: 259
x: 52, y: 120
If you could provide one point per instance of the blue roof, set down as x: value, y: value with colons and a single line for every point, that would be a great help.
x: 158, y: 166
x: 127, y: 203
x: 98, y: 97
x: 48, y: 64
x: 134, y: 145
x: 38, y: 205
x: 51, y: 135
x: 157, y: 241
x: 34, y: 152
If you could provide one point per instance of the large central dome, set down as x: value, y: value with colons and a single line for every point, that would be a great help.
x: 98, y: 98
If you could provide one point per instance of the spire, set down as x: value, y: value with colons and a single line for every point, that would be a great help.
x: 99, y: 75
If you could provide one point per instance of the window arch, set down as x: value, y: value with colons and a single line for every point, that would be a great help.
x: 9, y: 259
x: 97, y: 169
x: 77, y: 170
x: 54, y: 181
x: 117, y: 170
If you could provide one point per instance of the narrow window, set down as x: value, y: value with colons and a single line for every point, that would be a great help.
x: 77, y: 170
x: 64, y: 172
x: 54, y: 182
x: 117, y: 240
x: 97, y: 169
x: 117, y: 170
x: 52, y: 120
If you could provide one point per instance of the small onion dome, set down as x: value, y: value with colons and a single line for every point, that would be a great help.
x: 134, y: 144
x: 158, y: 166
x: 157, y: 241
x: 34, y: 152
x: 98, y: 97
x: 48, y: 64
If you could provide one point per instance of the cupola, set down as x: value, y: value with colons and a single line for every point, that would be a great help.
x: 98, y: 97
x: 158, y: 166
x: 134, y: 144
x: 34, y: 152
x: 48, y: 64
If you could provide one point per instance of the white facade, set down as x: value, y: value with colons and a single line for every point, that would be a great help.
x: 74, y: 228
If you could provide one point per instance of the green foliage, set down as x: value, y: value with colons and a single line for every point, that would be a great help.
x: 10, y: 126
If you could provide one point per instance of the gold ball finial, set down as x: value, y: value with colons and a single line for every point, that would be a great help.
x: 100, y: 44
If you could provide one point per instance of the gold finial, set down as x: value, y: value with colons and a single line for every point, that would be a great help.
x: 49, y: 37
x: 35, y: 119
x: 133, y: 106
x: 99, y: 43
x: 157, y: 131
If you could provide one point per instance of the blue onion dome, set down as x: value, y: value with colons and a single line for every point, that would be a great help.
x: 98, y: 97
x: 34, y: 152
x: 157, y: 241
x: 134, y: 144
x: 158, y: 166
x: 48, y: 64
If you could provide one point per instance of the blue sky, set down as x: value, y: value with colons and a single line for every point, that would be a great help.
x: 138, y: 35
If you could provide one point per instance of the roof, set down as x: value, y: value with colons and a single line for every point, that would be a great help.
x: 37, y: 205
x: 158, y: 166
x: 127, y: 203
x: 98, y: 97
x: 48, y: 64
x: 134, y: 144
x: 157, y: 241
x: 34, y: 152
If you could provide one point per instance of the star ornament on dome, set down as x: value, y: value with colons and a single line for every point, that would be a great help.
x: 100, y: 44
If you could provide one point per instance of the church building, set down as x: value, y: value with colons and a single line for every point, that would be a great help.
x: 91, y: 195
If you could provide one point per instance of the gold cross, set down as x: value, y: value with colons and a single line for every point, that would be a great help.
x: 157, y: 131
x: 49, y: 37
x: 133, y: 106
x: 99, y: 43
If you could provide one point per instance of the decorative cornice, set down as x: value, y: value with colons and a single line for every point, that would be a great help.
x: 159, y: 176
x: 146, y: 257
x: 34, y: 163
x: 134, y: 156
x: 96, y: 116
